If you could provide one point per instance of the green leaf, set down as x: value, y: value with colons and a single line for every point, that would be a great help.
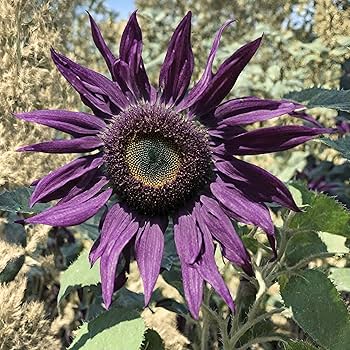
x: 299, y: 345
x: 128, y: 299
x: 323, y: 214
x: 303, y: 245
x: 318, y: 97
x: 318, y: 309
x: 173, y: 277
x: 18, y: 201
x: 169, y: 256
x: 342, y: 145
x: 173, y: 306
x: 341, y: 278
x: 308, y: 243
x: 115, y: 329
x: 9, y: 272
x: 78, y: 274
x: 152, y: 341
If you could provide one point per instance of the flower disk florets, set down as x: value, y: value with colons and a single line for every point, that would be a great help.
x: 156, y: 159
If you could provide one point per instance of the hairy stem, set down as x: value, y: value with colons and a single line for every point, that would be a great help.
x: 252, y: 322
x: 260, y: 340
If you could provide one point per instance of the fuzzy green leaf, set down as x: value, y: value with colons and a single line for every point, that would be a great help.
x: 318, y: 309
x: 299, y: 345
x: 115, y: 329
x: 303, y: 245
x: 152, y: 341
x: 17, y: 201
x: 78, y: 274
x: 9, y: 272
x: 322, y: 214
x: 308, y: 243
x: 341, y: 278
x: 342, y: 145
x: 318, y: 97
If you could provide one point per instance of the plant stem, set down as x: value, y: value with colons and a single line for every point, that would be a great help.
x: 206, y: 311
x: 252, y: 322
x: 205, y: 330
x: 300, y: 264
x: 222, y: 325
x: 260, y: 340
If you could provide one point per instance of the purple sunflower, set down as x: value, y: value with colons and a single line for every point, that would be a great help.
x: 165, y: 154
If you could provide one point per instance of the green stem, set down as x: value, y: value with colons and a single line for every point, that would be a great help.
x: 207, y: 315
x: 205, y: 330
x: 222, y: 325
x: 252, y: 322
x: 260, y: 340
x: 300, y: 264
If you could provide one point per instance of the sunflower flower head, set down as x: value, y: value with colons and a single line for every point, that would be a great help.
x: 165, y: 152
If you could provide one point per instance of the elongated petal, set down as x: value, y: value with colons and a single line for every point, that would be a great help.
x: 223, y: 231
x: 187, y: 238
x: 193, y: 288
x: 223, y: 132
x: 73, y: 123
x: 149, y: 247
x: 222, y: 82
x: 206, y: 266
x: 96, y: 186
x: 176, y: 71
x: 116, y: 221
x: 241, y: 207
x: 71, y: 213
x: 62, y: 176
x: 84, y: 183
x: 272, y: 139
x: 78, y: 145
x: 257, y: 182
x: 101, y: 45
x: 97, y: 92
x: 207, y: 75
x: 129, y: 70
x: 110, y: 257
x: 249, y: 110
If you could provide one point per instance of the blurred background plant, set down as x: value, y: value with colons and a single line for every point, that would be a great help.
x: 306, y: 44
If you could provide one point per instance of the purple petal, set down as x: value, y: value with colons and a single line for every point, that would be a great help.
x: 149, y: 247
x: 101, y: 45
x: 78, y: 145
x: 207, y: 75
x: 222, y: 82
x: 84, y: 183
x: 257, y: 182
x: 249, y: 110
x: 97, y: 92
x: 129, y: 69
x: 176, y: 71
x: 71, y: 188
x: 73, y: 212
x: 110, y: 257
x: 225, y: 132
x: 187, y: 238
x: 193, y: 288
x: 272, y: 139
x: 241, y: 207
x: 207, y: 268
x: 223, y: 231
x: 116, y: 221
x: 73, y: 123
x: 59, y: 178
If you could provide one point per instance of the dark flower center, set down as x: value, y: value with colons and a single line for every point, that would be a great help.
x: 156, y: 159
x: 153, y: 161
